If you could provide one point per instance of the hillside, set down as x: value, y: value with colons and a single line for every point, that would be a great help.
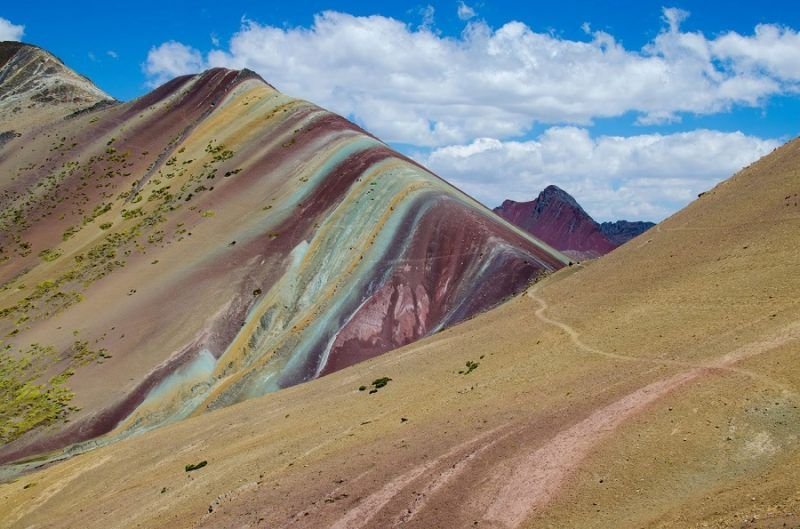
x: 655, y: 387
x: 212, y: 241
x: 556, y: 218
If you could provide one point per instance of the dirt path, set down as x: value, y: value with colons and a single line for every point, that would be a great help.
x: 575, y: 338
x: 363, y: 513
x: 530, y: 481
x: 530, y: 477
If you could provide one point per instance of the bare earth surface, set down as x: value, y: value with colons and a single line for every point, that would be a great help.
x: 654, y: 387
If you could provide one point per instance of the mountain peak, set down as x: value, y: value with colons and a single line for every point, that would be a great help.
x: 237, y: 76
x: 37, y: 87
x: 553, y: 193
x: 556, y: 218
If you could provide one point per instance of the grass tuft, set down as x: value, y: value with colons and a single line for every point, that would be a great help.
x: 196, y: 466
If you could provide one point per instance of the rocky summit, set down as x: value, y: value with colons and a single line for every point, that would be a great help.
x: 556, y: 218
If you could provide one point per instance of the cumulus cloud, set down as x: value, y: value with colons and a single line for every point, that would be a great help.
x: 465, y: 12
x: 464, y: 101
x: 9, y: 31
x: 643, y: 177
x: 170, y: 60
x: 771, y: 49
x: 412, y: 85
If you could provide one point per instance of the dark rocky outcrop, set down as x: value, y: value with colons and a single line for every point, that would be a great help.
x: 622, y: 231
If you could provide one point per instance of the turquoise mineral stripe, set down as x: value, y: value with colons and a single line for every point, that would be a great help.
x: 331, y: 258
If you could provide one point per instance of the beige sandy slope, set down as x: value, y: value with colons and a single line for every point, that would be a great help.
x: 655, y: 387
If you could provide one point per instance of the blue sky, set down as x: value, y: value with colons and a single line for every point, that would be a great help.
x: 633, y: 107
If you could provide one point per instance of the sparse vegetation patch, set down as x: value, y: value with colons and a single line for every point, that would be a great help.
x: 50, y: 255
x: 27, y: 399
x: 470, y: 367
x: 196, y: 466
x: 377, y: 384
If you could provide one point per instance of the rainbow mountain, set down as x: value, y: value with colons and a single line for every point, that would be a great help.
x: 209, y: 242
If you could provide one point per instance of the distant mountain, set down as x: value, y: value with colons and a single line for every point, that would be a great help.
x: 556, y: 218
x: 622, y: 231
x: 209, y: 242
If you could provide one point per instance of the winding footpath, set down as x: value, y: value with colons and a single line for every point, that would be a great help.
x: 526, y: 482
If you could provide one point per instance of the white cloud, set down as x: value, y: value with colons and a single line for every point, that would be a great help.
x: 114, y: 55
x: 644, y: 177
x: 9, y: 31
x: 772, y: 49
x: 674, y: 17
x: 170, y: 60
x: 470, y: 95
x: 465, y: 12
x: 415, y: 86
x: 428, y: 16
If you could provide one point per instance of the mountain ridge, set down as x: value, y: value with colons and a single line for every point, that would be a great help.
x: 249, y: 241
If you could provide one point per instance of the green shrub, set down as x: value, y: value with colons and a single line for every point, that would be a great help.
x: 377, y: 384
x: 196, y: 466
x: 50, y: 255
x: 471, y: 366
x: 132, y: 213
x: 381, y: 382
